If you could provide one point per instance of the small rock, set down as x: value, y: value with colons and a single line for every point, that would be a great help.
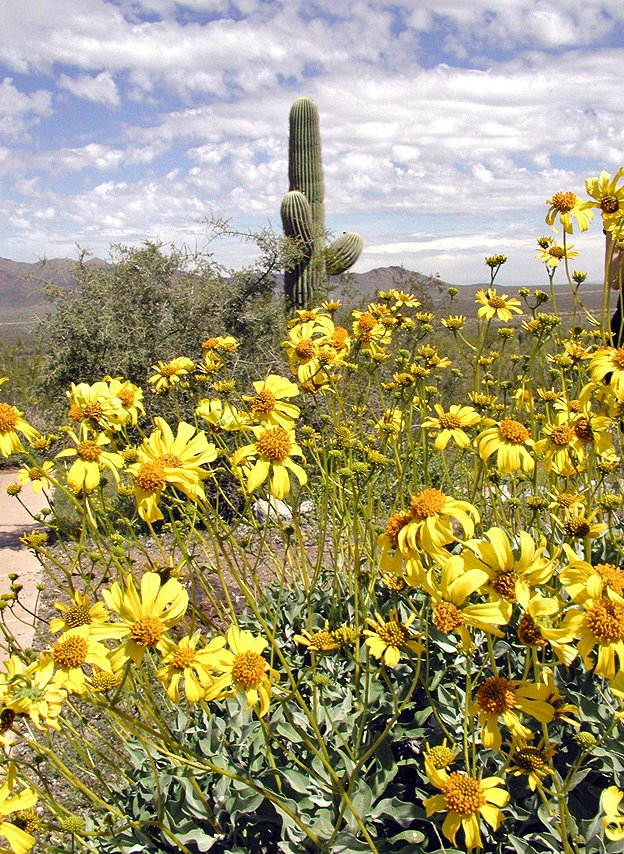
x: 274, y: 510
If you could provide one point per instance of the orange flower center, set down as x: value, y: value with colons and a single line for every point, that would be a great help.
x: 576, y: 526
x: 274, y: 444
x: 103, y: 681
x: 71, y: 652
x: 393, y: 633
x: 463, y: 795
x: 496, y: 695
x: 324, y: 641
x: 497, y: 302
x: 366, y: 323
x: 394, y: 525
x: 612, y: 576
x: 264, y: 402
x: 448, y: 421
x: 77, y: 616
x: 248, y: 669
x: 563, y: 202
x: 171, y: 460
x: 126, y: 396
x: 74, y: 413
x: 562, y: 435
x: 151, y: 476
x: 529, y: 759
x: 529, y: 633
x: 182, y: 658
x: 35, y: 473
x: 94, y: 411
x: 429, y: 502
x: 513, y: 431
x: 505, y: 586
x: 147, y: 631
x: 306, y: 348
x: 9, y: 417
x: 556, y: 252
x: 605, y: 620
x: 440, y: 756
x: 89, y: 450
x: 339, y: 337
x: 618, y: 358
x: 168, y: 371
x: 609, y: 204
x: 447, y: 616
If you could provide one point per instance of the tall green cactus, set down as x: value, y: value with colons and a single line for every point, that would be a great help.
x: 303, y: 213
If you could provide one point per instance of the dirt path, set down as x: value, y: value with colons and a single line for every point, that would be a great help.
x: 14, y: 557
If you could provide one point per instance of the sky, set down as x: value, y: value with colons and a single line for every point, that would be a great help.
x: 445, y: 126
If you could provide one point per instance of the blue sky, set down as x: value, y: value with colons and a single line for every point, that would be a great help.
x: 445, y: 126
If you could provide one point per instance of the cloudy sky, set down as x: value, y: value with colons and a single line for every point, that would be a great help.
x: 445, y: 125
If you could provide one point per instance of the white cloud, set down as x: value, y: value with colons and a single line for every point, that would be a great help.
x: 101, y: 89
x: 20, y: 111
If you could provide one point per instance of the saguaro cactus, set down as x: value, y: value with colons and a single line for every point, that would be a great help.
x: 303, y: 212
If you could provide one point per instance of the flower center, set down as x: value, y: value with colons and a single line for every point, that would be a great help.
x: 35, y: 473
x: 609, y: 204
x: 393, y: 633
x: 147, y: 631
x: 583, y: 430
x: 72, y: 652
x: 8, y: 417
x: 182, y: 658
x: 447, y: 616
x: 306, y: 348
x: 529, y: 633
x: 151, y: 476
x: 429, y: 502
x: 77, y: 616
x: 513, y: 431
x: 339, y: 338
x: 7, y: 719
x: 529, y: 758
x: 618, y: 358
x: 496, y: 695
x: 89, y: 450
x: 395, y: 524
x: 563, y: 202
x: 126, y: 396
x: 496, y: 302
x: 505, y: 586
x: 264, y: 402
x: 366, y: 323
x: 102, y: 681
x: 168, y: 371
x: 562, y: 435
x: 440, y: 756
x: 171, y: 460
x: 248, y: 669
x: 94, y: 411
x: 605, y: 620
x: 274, y: 444
x: 449, y: 421
x: 576, y: 526
x: 612, y: 576
x: 323, y: 640
x: 75, y: 413
x: 463, y: 795
x: 556, y: 252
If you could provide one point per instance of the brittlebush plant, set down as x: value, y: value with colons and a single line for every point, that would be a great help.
x: 371, y: 601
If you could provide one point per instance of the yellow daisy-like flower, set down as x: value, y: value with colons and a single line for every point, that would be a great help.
x: 322, y: 640
x: 96, y: 405
x: 33, y: 691
x: 227, y: 343
x: 38, y: 476
x: 465, y: 800
x: 369, y: 331
x: 197, y: 667
x: 562, y: 450
x: 273, y: 451
x: 607, y: 196
x: 534, y: 762
x: 245, y: 669
x: 579, y: 577
x: 495, y: 305
x: 167, y: 374
x: 609, y: 361
x: 510, y: 441
x: 391, y: 422
x: 566, y: 206
x: 539, y: 626
x: 452, y: 612
x: 510, y: 578
x: 451, y: 425
x: 599, y: 626
x: 146, y: 617
x: 552, y: 254
x: 12, y: 423
x: 500, y: 697
x: 130, y: 396
x: 430, y: 527
x: 221, y: 415
x: 270, y: 404
x: 75, y: 648
x: 303, y: 342
x: 84, y: 473
x: 386, y: 639
x: 612, y: 820
x: 80, y: 613
x: 19, y: 840
x: 440, y: 755
x: 577, y: 525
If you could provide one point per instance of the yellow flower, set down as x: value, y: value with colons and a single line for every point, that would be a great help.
x: 451, y: 611
x: 501, y: 697
x: 391, y: 422
x: 562, y: 450
x: 510, y: 578
x: 599, y: 625
x: 388, y: 638
x: 269, y: 406
x: 554, y: 253
x: 609, y: 361
x: 84, y: 473
x: 227, y: 343
x: 19, y: 840
x: 440, y: 755
x: 80, y: 613
x: 532, y: 761
x: 451, y: 425
x: 39, y: 476
x: 96, y: 405
x: 12, y: 423
x: 430, y: 527
x: 130, y: 396
x: 197, y: 667
x: 613, y: 819
x: 244, y: 669
x: 322, y: 640
x: 566, y: 206
x: 537, y: 628
x: 33, y: 691
x: 167, y: 459
x: 465, y: 799
x: 169, y: 373
x: 510, y: 441
x: 607, y: 197
x: 221, y: 415
x: 145, y: 617
x: 75, y: 648
x: 580, y: 576
x: 273, y: 449
x: 493, y: 305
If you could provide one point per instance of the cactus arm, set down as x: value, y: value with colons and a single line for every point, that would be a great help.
x: 343, y: 253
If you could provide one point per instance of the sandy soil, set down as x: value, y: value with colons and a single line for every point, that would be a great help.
x: 15, y: 520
